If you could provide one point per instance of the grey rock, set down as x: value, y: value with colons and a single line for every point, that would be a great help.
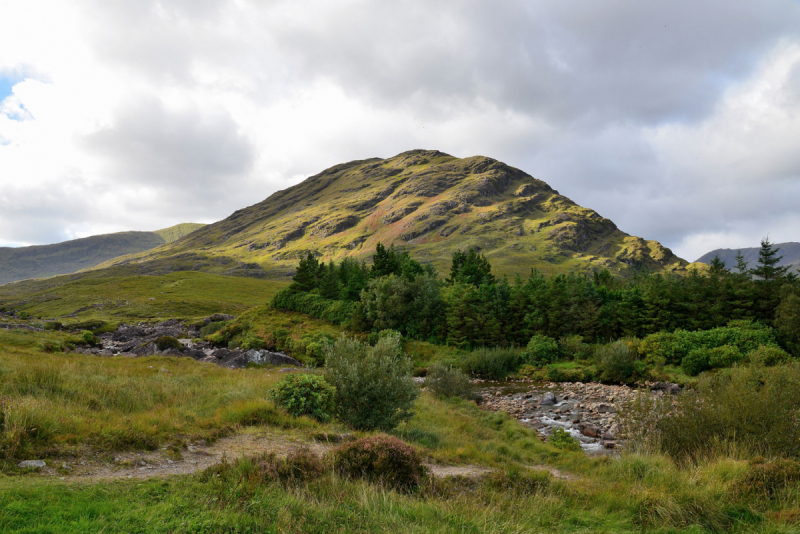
x: 37, y: 464
x: 265, y: 357
x: 547, y: 398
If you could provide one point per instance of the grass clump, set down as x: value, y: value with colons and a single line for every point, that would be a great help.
x: 382, y: 459
x: 561, y: 439
x: 374, y: 388
x: 168, y: 343
x: 445, y: 381
x: 305, y: 394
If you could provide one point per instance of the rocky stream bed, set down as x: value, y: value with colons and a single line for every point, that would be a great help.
x: 586, y: 411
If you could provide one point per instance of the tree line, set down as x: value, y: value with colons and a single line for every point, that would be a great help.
x: 472, y: 307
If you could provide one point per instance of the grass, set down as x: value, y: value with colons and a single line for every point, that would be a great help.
x: 57, y: 403
x: 111, y: 295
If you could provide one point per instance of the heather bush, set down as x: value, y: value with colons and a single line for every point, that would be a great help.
x: 383, y: 459
x: 305, y: 394
x: 445, y: 381
x: 492, y: 364
x: 374, y: 388
x: 541, y: 350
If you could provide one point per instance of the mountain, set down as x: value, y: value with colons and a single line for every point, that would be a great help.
x: 790, y: 252
x: 426, y: 202
x: 71, y: 256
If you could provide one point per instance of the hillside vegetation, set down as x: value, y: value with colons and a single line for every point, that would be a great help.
x: 71, y: 256
x: 430, y: 204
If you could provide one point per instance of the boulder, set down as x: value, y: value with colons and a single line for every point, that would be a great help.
x: 36, y: 464
x: 265, y: 357
x: 589, y: 431
x: 547, y: 399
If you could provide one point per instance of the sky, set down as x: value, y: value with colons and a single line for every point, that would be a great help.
x: 679, y: 121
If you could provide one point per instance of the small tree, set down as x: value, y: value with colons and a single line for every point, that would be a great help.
x: 306, y: 278
x: 768, y: 260
x: 374, y: 388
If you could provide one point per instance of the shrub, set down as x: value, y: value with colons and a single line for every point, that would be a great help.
x: 374, y: 388
x: 88, y: 338
x: 445, y: 381
x: 490, y: 364
x: 696, y: 362
x: 305, y: 394
x: 541, y: 350
x: 212, y: 328
x: 168, y: 343
x: 724, y: 356
x: 561, y: 439
x: 299, y: 466
x: 573, y: 348
x: 616, y: 362
x: 334, y: 311
x: 768, y: 356
x: 53, y: 325
x: 383, y: 459
x: 752, y: 407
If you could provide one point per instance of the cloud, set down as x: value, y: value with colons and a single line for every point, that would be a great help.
x: 675, y: 119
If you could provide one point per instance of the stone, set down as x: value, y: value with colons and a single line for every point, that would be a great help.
x: 66, y: 467
x: 609, y: 445
x: 35, y: 464
x: 589, y: 431
x: 547, y: 398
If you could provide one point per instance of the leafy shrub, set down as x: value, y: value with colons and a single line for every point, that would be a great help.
x: 617, y: 363
x: 374, y: 388
x: 383, y: 459
x: 490, y: 364
x: 52, y: 346
x: 673, y: 347
x: 334, y: 311
x: 696, y: 362
x: 304, y: 394
x: 768, y: 356
x: 752, y: 407
x: 168, y: 343
x: 561, y: 439
x: 53, y: 325
x: 573, y: 348
x: 765, y: 479
x: 724, y: 356
x: 541, y: 350
x: 445, y: 381
x: 251, y: 341
x: 88, y: 338
x: 299, y: 466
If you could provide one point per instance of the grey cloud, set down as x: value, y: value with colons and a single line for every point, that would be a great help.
x: 193, y: 150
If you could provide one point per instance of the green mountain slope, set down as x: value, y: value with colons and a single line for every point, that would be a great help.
x: 428, y: 203
x: 72, y: 256
x: 790, y: 252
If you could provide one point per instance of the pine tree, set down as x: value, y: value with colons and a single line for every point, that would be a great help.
x: 329, y: 286
x: 306, y: 278
x: 768, y: 260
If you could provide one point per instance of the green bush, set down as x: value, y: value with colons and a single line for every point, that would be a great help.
x: 573, y: 348
x: 305, y: 394
x: 445, y: 381
x: 541, y: 350
x: 724, y: 356
x: 334, y: 311
x: 696, y: 362
x: 383, y: 459
x: 53, y: 325
x: 617, y: 363
x: 212, y: 328
x: 88, y: 338
x: 168, y: 343
x: 561, y: 439
x: 374, y: 388
x: 491, y: 364
x: 768, y: 356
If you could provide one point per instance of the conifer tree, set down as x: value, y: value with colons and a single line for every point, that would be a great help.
x: 306, y: 278
x: 329, y: 286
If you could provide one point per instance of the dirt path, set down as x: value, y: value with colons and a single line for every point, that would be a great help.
x: 151, y: 464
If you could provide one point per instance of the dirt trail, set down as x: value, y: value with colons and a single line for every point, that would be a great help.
x: 151, y: 464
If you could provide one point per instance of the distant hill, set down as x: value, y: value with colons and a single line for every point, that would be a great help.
x: 790, y: 252
x: 424, y: 201
x: 72, y: 256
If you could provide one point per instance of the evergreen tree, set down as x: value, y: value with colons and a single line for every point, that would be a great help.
x: 329, y: 285
x: 306, y: 278
x: 768, y: 260
x: 741, y: 264
x: 470, y: 268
